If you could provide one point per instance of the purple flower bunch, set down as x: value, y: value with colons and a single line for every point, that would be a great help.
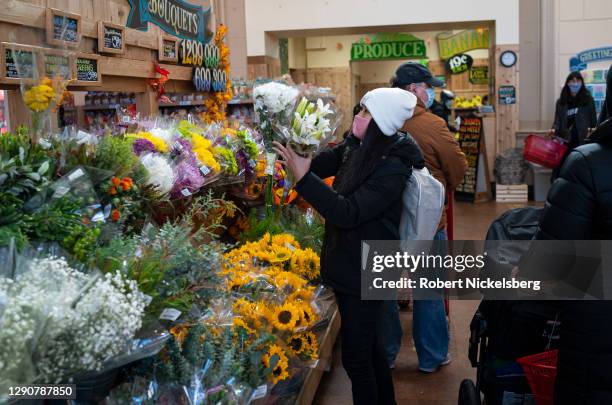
x: 189, y: 179
x: 142, y: 146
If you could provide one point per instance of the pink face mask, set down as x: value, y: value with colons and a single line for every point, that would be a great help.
x: 360, y: 125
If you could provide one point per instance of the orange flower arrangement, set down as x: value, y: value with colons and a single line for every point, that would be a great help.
x: 216, y: 103
x: 115, y: 215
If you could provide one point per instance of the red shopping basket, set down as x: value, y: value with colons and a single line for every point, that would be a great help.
x: 541, y: 372
x: 543, y: 151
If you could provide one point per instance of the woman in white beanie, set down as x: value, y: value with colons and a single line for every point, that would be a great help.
x: 371, y: 168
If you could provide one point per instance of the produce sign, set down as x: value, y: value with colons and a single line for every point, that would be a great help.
x: 87, y: 70
x: 459, y: 63
x: 111, y: 37
x: 453, y: 44
x: 19, y: 63
x: 507, y: 95
x: 65, y: 28
x: 470, y: 133
x: 169, y: 49
x: 389, y: 46
x: 57, y: 65
x: 176, y: 17
x: 479, y: 75
x: 580, y: 61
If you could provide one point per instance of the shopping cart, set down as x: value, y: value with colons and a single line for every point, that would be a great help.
x: 503, y: 331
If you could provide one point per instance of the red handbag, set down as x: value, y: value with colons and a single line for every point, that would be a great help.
x: 544, y: 151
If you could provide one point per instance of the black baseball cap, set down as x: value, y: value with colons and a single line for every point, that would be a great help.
x: 411, y: 72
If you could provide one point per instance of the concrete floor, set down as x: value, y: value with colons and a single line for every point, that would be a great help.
x: 411, y: 386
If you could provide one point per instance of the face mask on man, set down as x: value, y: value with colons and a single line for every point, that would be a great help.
x: 360, y: 125
x: 449, y: 104
x: 574, y: 87
x: 431, y: 96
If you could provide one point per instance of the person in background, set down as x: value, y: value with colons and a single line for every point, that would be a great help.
x: 579, y: 207
x: 365, y: 203
x: 443, y: 108
x: 447, y: 163
x: 606, y: 109
x: 575, y: 113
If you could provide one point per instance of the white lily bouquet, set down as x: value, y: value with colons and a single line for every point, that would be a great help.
x: 312, y: 126
x: 274, y: 103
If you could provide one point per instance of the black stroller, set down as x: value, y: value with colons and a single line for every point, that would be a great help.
x: 502, y: 331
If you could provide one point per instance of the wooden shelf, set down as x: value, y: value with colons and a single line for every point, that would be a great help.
x: 182, y: 104
x: 240, y: 101
x: 104, y: 107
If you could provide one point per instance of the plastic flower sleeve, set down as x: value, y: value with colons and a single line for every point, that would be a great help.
x: 76, y: 187
x: 311, y: 127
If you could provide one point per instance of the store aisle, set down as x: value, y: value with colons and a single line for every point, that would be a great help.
x: 411, y: 386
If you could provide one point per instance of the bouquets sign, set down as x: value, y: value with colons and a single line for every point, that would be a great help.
x: 312, y: 126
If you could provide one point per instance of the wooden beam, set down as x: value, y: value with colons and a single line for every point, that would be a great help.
x: 32, y: 15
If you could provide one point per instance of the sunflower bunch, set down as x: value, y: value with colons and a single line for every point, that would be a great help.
x: 281, y: 252
x: 276, y: 359
x: 304, y: 345
x: 38, y: 97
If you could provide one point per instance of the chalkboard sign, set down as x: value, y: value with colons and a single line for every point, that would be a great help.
x: 57, y: 65
x: 87, y: 72
x: 19, y: 63
x: 168, y: 49
x: 111, y: 37
x: 479, y: 75
x: 63, y: 28
x: 507, y: 95
x: 470, y: 133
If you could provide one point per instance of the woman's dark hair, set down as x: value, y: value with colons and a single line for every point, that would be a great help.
x: 583, y: 96
x: 362, y: 161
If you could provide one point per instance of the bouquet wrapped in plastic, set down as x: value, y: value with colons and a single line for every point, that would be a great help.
x: 312, y: 126
x: 57, y: 322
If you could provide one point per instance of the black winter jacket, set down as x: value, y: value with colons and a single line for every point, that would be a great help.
x: 585, y: 119
x: 579, y: 207
x: 371, y: 212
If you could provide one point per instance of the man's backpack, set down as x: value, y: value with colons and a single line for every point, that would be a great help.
x: 423, y: 202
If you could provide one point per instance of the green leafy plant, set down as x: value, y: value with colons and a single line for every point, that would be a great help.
x: 24, y: 168
x: 115, y: 154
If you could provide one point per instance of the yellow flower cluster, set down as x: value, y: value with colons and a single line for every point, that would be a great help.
x: 275, y: 298
x: 159, y: 144
x: 38, y: 98
x: 278, y: 361
x: 281, y: 251
x: 203, y: 150
x: 304, y: 344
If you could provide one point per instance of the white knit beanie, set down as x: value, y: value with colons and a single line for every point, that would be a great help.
x: 390, y: 108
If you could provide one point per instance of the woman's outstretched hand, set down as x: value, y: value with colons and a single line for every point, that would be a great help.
x: 298, y: 165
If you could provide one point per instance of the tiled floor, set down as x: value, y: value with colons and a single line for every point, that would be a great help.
x: 412, y: 387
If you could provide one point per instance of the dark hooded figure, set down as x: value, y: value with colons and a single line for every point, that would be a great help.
x: 606, y: 109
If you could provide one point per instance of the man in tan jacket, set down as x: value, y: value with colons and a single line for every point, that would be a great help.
x: 443, y: 156
x: 447, y: 163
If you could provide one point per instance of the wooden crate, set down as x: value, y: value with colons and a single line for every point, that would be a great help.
x: 514, y: 193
